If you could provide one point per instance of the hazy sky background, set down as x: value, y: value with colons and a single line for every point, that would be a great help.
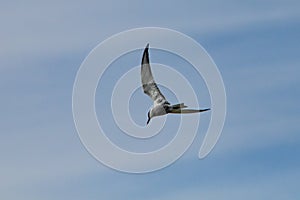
x: 255, y: 44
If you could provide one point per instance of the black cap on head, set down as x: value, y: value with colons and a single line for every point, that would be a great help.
x: 148, y: 117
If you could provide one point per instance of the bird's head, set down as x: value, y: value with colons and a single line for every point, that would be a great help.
x: 149, y: 117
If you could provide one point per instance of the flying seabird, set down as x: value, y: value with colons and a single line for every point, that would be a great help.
x: 160, y: 105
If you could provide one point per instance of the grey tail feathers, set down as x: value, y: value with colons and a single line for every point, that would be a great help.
x: 177, y: 106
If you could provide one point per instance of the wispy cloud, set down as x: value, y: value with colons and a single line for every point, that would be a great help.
x: 35, y: 29
x: 42, y: 46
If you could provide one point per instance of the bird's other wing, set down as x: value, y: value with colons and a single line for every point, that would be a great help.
x: 187, y: 111
x: 149, y: 86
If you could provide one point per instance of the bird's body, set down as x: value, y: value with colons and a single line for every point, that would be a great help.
x: 160, y: 105
x: 158, y: 110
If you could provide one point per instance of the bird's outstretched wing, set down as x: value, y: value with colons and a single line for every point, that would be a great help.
x: 187, y: 111
x: 149, y: 86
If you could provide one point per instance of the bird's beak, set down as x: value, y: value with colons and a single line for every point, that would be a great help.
x: 148, y: 120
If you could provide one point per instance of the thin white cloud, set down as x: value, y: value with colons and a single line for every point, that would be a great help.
x: 262, y: 187
x: 35, y: 29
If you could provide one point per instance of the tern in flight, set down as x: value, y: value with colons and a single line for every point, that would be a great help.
x: 160, y: 105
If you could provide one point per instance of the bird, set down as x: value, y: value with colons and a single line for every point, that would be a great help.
x: 160, y: 105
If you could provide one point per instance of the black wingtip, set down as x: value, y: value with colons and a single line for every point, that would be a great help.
x: 145, y: 59
x: 203, y: 110
x: 146, y: 48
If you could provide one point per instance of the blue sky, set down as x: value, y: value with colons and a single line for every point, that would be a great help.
x: 255, y: 44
